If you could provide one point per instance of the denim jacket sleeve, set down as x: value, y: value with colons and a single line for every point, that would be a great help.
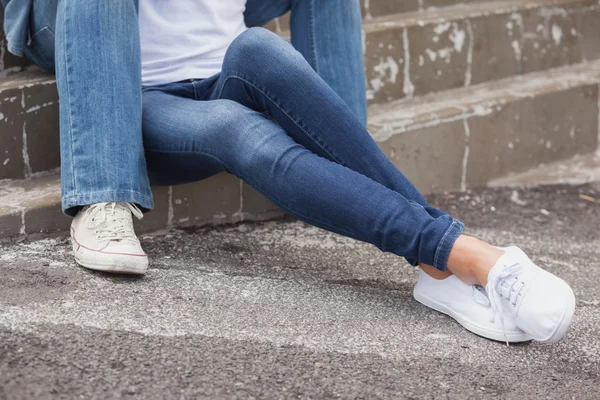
x: 16, y: 24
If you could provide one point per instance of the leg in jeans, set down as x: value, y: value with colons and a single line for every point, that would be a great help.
x: 289, y: 91
x: 188, y: 139
x: 96, y: 55
x: 328, y: 34
x: 269, y: 134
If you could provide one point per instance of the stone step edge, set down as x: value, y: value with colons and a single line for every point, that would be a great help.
x: 23, y: 79
x: 414, y: 112
x: 433, y: 109
x: 33, y: 206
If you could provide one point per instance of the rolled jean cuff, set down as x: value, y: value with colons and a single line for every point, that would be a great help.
x: 72, y: 203
x: 443, y: 250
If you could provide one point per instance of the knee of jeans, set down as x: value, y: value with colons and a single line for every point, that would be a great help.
x: 260, y: 49
x: 251, y: 43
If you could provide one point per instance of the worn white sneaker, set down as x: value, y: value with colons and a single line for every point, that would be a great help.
x: 538, y: 302
x: 104, y: 240
x: 468, y: 305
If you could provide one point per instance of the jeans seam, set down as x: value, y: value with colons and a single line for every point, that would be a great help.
x: 195, y: 90
x: 75, y: 196
x: 442, y: 242
x: 336, y: 159
x: 70, y: 102
x: 312, y: 35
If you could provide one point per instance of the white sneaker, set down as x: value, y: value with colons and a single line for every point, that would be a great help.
x: 538, y: 302
x: 104, y: 240
x: 468, y: 305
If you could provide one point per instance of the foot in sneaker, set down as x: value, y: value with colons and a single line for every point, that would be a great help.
x: 536, y: 301
x: 104, y: 240
x: 468, y: 305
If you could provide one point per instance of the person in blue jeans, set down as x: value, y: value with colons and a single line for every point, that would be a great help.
x: 171, y: 93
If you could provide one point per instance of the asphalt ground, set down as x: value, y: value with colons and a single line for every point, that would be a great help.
x: 284, y: 310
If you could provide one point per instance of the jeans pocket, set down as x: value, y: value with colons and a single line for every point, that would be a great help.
x: 40, y: 49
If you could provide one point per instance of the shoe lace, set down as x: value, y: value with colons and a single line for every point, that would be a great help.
x: 112, y: 221
x: 505, y: 284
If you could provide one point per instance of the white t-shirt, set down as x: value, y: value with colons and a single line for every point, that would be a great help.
x: 187, y: 39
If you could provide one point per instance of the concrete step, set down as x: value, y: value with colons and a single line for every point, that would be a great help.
x: 28, y: 125
x: 32, y: 207
x: 417, y: 47
x: 430, y: 50
x: 417, y: 53
x: 448, y: 141
x: 466, y: 137
x: 578, y: 170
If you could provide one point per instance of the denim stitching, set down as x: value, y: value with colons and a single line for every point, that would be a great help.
x: 70, y: 102
x: 195, y: 90
x: 437, y: 253
x: 312, y: 35
x: 76, y: 196
x: 315, y: 140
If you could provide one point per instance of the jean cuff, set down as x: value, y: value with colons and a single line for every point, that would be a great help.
x: 72, y: 203
x: 443, y: 250
x: 412, y: 261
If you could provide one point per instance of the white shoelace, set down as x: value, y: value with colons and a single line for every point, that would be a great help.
x: 112, y: 221
x: 514, y: 288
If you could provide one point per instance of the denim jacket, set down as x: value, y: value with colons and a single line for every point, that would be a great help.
x: 16, y: 24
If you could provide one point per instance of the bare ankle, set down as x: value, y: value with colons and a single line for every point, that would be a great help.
x: 434, y: 272
x: 472, y: 259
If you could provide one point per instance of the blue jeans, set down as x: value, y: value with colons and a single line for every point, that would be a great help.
x: 267, y: 118
x: 93, y: 46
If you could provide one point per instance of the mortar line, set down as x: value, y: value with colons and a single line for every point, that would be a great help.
x: 23, y: 230
x: 241, y: 211
x: 27, y: 166
x: 409, y: 88
x: 468, y: 72
x: 381, y: 135
x: 277, y: 26
x: 463, y: 178
x: 2, y: 54
x: 170, y: 212
x: 367, y: 6
x: 598, y: 120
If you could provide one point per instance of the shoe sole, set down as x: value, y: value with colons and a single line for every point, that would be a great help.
x: 486, y: 333
x: 113, y: 263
